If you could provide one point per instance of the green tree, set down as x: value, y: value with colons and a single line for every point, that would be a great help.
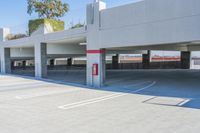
x: 79, y: 25
x: 51, y: 9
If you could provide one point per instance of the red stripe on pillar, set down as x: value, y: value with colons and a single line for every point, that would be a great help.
x: 95, y: 51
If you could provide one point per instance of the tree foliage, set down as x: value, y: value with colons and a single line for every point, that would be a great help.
x: 51, y: 9
x: 78, y: 25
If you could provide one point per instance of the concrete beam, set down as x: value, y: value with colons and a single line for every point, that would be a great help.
x: 65, y: 55
x: 109, y: 51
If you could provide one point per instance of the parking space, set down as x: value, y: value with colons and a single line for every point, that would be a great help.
x: 131, y: 101
x: 166, y: 83
x: 75, y: 75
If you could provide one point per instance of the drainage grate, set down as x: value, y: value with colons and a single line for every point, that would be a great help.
x: 167, y: 101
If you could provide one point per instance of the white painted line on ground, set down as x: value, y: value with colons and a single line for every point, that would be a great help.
x: 88, y: 101
x: 100, y: 99
x: 140, y: 83
x: 184, y: 102
x: 65, y: 107
x: 146, y: 87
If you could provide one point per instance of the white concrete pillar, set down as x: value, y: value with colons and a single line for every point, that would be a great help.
x: 40, y: 50
x: 5, y: 61
x: 95, y: 54
x: 4, y: 32
x: 96, y: 57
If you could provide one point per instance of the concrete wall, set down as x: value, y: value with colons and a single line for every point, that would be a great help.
x: 70, y: 49
x: 66, y: 49
x: 22, y: 52
x: 150, y: 22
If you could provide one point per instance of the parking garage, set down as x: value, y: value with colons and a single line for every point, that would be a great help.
x: 106, y: 75
x: 102, y: 37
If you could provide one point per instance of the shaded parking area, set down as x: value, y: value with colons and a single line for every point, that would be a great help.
x: 182, y: 84
x: 165, y: 83
x: 132, y: 100
x: 69, y: 74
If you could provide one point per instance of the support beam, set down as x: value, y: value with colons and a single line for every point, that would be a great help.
x: 146, y: 58
x: 115, y: 62
x: 40, y: 60
x: 5, y: 61
x: 96, y: 57
x: 185, y: 59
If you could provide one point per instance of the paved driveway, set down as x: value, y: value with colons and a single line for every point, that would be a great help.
x: 141, y: 102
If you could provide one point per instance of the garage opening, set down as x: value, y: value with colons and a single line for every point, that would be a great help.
x: 127, y: 67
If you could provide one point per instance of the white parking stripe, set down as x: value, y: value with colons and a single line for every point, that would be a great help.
x: 100, y: 99
x: 184, y: 102
x: 74, y: 105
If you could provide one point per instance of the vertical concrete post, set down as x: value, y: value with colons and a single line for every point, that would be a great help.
x: 146, y: 58
x: 5, y: 61
x: 96, y: 57
x: 69, y: 62
x: 52, y: 63
x: 115, y: 62
x: 185, y: 59
x: 12, y: 65
x: 95, y: 54
x: 40, y: 50
x: 24, y: 64
x: 4, y: 32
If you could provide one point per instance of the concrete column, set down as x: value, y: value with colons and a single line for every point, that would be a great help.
x: 115, y: 62
x: 12, y: 65
x: 52, y: 63
x: 146, y: 58
x: 5, y: 61
x: 4, y: 32
x: 69, y: 62
x: 185, y: 59
x: 96, y: 57
x: 95, y: 54
x: 24, y: 64
x: 40, y: 60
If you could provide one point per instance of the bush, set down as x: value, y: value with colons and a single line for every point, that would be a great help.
x: 57, y: 25
x: 79, y: 25
x: 16, y: 36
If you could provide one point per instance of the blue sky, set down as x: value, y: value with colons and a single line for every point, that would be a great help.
x: 13, y: 13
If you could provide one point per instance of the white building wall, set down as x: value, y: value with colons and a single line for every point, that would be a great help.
x: 150, y: 22
x: 22, y: 52
x: 66, y: 49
